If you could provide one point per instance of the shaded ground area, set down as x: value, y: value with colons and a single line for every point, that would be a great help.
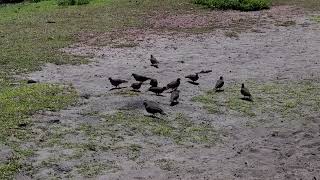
x: 207, y: 135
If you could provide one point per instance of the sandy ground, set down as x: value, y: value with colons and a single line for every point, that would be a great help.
x: 275, y: 148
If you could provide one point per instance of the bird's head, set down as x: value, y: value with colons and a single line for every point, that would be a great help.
x: 242, y: 85
x: 110, y: 78
x: 151, y: 56
x: 133, y: 74
x: 221, y: 78
x: 178, y: 79
x: 145, y: 103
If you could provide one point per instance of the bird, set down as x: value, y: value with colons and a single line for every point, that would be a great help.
x: 219, y: 83
x: 154, y: 61
x: 193, y: 77
x: 245, y: 92
x: 153, y: 83
x: 140, y: 78
x: 153, y: 108
x: 157, y: 90
x: 136, y: 86
x: 174, y: 84
x: 116, y: 82
x: 174, y: 97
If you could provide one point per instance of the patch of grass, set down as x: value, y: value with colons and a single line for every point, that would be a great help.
x: 32, y: 33
x: 309, y: 4
x: 72, y: 2
x: 243, y: 5
x: 290, y: 101
x: 316, y: 18
x: 181, y: 130
x: 19, y: 103
x: 167, y: 164
x: 8, y: 170
x: 92, y: 169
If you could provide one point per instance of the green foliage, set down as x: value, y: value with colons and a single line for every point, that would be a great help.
x: 243, y: 5
x: 72, y: 2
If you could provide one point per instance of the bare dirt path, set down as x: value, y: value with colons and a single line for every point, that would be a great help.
x: 266, y: 146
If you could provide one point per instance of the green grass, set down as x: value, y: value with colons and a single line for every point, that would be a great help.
x: 72, y: 2
x: 309, y: 4
x: 243, y: 5
x: 19, y: 103
x: 290, y: 101
x: 28, y: 41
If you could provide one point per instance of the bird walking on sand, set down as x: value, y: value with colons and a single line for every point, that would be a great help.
x: 116, y: 82
x: 174, y: 84
x: 174, y: 97
x: 193, y: 77
x: 153, y: 108
x: 245, y: 92
x: 153, y: 83
x: 140, y: 78
x: 136, y: 86
x: 154, y: 61
x: 219, y: 83
x: 157, y: 90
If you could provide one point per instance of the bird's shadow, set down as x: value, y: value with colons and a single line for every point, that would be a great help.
x: 219, y: 90
x: 174, y: 103
x: 158, y: 95
x: 246, y: 99
x: 152, y: 116
x: 115, y: 88
x: 193, y: 83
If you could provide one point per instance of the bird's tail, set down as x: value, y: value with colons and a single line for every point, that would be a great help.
x: 163, y: 113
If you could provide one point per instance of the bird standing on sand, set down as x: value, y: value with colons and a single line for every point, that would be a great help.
x: 153, y: 83
x: 245, y: 92
x: 116, y: 82
x: 193, y: 77
x: 157, y: 90
x: 152, y: 108
x: 219, y: 84
x: 174, y: 84
x: 140, y: 78
x: 136, y: 86
x: 174, y: 97
x: 154, y: 61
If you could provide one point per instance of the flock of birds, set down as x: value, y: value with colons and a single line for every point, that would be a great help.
x: 152, y: 107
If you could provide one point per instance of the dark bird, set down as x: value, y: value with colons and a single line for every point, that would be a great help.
x: 193, y: 77
x: 116, y: 82
x: 157, y: 90
x: 174, y: 97
x: 153, y: 108
x: 245, y: 92
x: 140, y: 78
x: 154, y: 61
x: 153, y: 83
x: 219, y: 83
x: 174, y: 84
x: 136, y: 86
